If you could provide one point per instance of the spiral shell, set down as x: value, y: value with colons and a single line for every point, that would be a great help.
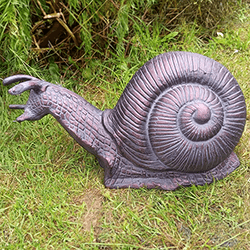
x: 181, y: 111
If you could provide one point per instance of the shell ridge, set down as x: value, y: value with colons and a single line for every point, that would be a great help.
x: 175, y: 94
x: 171, y: 140
x: 180, y: 160
x: 131, y: 130
x: 174, y: 99
x: 209, y: 76
x: 210, y: 79
x: 152, y: 79
x: 227, y: 87
x: 161, y: 79
x: 206, y: 155
x: 122, y: 121
x: 148, y: 85
x: 202, y: 70
x: 161, y: 121
x: 130, y: 95
x: 150, y: 93
x: 165, y: 74
x: 132, y: 147
x: 137, y: 104
x: 127, y: 119
x: 173, y: 69
x: 178, y: 69
x: 170, y: 110
x: 234, y: 95
x: 170, y: 74
x: 167, y: 152
x: 222, y: 83
x: 157, y: 73
x: 215, y: 84
x: 236, y: 127
x: 166, y: 102
x: 139, y: 87
x: 133, y: 111
x: 144, y: 160
x: 219, y: 143
x: 202, y: 92
x: 187, y: 93
x: 195, y: 157
x: 132, y: 143
x: 227, y: 142
x: 237, y: 113
x: 180, y: 60
x: 191, y: 68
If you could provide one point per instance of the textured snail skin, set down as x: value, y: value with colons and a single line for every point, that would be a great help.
x: 176, y: 123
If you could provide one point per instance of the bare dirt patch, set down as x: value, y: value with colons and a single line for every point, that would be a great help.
x: 93, y: 200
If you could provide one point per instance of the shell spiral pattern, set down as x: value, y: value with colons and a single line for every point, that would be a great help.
x: 181, y: 111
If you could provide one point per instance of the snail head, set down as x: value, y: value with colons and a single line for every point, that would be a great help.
x: 33, y: 110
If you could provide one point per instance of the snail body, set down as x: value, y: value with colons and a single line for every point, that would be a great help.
x: 176, y: 123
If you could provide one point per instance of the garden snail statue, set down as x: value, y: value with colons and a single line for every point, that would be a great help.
x: 176, y: 123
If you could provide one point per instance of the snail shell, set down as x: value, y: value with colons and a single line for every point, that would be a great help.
x: 181, y: 111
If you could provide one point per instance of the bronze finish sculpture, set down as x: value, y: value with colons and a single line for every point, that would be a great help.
x: 176, y: 123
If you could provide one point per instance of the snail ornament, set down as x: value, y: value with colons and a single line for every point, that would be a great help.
x: 176, y: 123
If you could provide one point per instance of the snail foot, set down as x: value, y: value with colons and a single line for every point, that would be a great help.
x: 171, y: 180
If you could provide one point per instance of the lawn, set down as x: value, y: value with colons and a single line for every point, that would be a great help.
x: 52, y: 194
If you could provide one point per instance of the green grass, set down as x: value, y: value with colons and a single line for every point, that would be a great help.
x: 52, y: 194
x: 15, y: 35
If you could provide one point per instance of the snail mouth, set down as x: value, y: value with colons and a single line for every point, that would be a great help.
x: 202, y: 114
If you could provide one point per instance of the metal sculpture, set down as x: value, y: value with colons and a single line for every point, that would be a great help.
x: 176, y: 123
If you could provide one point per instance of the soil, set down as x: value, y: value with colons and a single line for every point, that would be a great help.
x: 93, y: 200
